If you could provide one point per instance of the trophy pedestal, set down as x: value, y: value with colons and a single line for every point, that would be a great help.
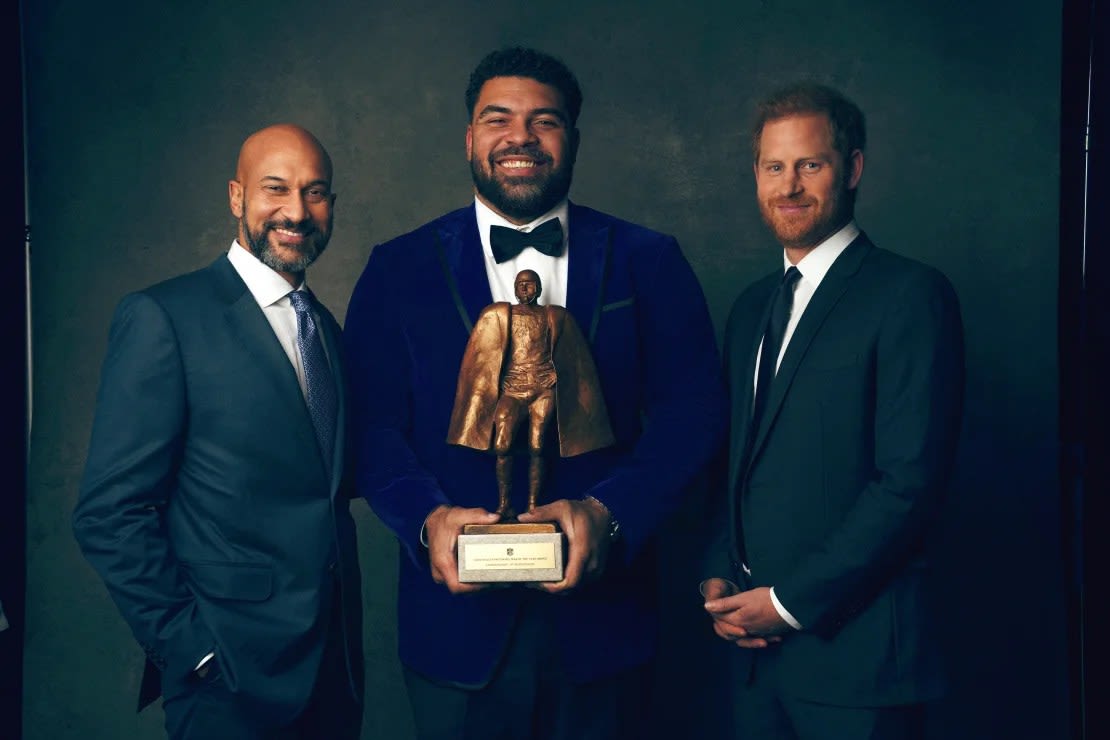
x: 510, y: 553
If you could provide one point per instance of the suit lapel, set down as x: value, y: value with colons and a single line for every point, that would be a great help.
x: 465, y: 262
x: 832, y: 287
x: 588, y: 255
x: 333, y: 345
x: 258, y: 340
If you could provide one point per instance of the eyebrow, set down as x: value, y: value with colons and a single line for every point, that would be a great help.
x: 275, y: 178
x: 491, y: 109
x: 807, y: 157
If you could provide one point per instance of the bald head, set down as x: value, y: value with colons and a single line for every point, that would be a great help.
x: 282, y: 197
x: 280, y: 137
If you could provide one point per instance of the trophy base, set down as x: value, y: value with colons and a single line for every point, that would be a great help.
x: 510, y: 553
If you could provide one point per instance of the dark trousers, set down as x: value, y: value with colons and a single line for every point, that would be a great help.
x: 763, y: 712
x: 529, y: 698
x: 208, y: 711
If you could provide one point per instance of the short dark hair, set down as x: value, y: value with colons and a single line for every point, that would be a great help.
x: 849, y: 131
x: 536, y: 65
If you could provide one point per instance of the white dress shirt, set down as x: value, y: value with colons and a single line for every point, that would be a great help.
x: 813, y: 268
x: 502, y: 277
x: 271, y: 292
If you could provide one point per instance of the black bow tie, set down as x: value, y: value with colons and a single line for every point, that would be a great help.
x: 507, y: 243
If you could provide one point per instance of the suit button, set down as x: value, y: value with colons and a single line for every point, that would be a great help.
x: 331, y: 567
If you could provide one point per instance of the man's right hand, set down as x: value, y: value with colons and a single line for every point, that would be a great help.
x: 729, y: 623
x: 443, y: 527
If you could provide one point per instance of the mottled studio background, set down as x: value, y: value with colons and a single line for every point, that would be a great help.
x: 136, y: 110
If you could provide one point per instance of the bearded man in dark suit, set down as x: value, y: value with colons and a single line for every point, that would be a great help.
x: 213, y: 502
x: 846, y: 376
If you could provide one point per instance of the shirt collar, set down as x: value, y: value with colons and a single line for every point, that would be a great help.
x: 487, y: 217
x: 815, y: 264
x: 264, y: 283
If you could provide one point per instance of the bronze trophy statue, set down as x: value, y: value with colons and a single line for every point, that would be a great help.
x: 523, y: 362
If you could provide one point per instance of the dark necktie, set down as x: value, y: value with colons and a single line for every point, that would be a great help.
x: 508, y: 243
x: 323, y: 401
x: 781, y: 304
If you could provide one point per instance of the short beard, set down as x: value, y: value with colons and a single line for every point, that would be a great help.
x: 817, y: 231
x: 259, y: 245
x: 522, y: 202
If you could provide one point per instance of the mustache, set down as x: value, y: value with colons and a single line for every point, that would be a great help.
x: 788, y: 201
x: 304, y: 227
x: 532, y: 152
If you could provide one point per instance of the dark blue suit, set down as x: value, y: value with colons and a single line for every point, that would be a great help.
x: 832, y: 497
x: 639, y: 304
x: 206, y: 505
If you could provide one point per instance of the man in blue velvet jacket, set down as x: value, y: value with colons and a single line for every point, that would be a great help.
x: 568, y: 658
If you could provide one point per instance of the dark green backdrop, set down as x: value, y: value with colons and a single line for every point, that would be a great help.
x: 135, y: 114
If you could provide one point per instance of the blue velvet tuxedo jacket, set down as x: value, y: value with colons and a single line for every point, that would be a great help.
x: 206, y: 505
x: 831, y: 498
x: 637, y: 300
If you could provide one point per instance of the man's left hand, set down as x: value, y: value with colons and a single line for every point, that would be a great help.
x: 586, y: 525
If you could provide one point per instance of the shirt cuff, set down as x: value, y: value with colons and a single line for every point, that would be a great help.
x: 204, y: 661
x: 783, y: 613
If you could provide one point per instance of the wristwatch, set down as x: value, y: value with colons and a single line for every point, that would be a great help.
x: 614, y: 525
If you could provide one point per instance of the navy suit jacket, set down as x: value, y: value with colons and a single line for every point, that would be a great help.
x: 831, y: 499
x: 206, y: 505
x: 637, y: 300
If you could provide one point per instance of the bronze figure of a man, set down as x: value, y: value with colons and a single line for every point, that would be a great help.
x: 527, y: 361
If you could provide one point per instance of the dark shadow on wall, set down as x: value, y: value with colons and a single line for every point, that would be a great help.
x: 13, y: 402
x: 1084, y: 346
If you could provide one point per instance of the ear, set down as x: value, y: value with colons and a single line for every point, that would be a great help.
x: 469, y: 141
x: 855, y: 169
x: 235, y: 197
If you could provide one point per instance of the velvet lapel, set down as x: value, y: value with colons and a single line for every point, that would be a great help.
x: 833, y: 286
x: 257, y: 340
x: 462, y: 250
x: 588, y: 252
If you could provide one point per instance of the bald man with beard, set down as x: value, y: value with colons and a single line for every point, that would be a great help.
x: 213, y: 503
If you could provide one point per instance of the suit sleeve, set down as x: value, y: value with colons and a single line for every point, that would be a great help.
x: 718, y: 559
x: 387, y: 472
x: 129, y: 480
x: 918, y: 405
x: 682, y: 400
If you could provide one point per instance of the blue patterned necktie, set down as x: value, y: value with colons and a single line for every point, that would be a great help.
x: 323, y: 401
x: 781, y: 306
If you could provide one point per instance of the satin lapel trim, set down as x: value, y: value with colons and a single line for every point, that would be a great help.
x: 828, y: 294
x: 587, y: 252
x: 462, y: 248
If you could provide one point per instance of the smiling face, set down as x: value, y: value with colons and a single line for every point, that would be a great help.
x: 803, y: 183
x: 521, y: 147
x: 282, y: 198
